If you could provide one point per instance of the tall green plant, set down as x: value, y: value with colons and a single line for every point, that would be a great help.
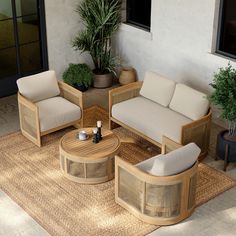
x: 224, y: 95
x: 101, y: 19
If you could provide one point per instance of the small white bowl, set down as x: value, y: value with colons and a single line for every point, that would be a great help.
x: 82, y: 135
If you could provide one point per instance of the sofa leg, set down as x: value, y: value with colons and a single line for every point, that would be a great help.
x: 113, y: 125
x: 202, y: 156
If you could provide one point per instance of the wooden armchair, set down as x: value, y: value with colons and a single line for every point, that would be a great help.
x: 159, y: 200
x: 30, y: 107
x: 197, y: 131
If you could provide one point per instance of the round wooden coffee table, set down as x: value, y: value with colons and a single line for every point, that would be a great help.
x: 86, y: 162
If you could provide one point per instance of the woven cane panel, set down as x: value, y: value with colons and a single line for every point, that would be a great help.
x: 76, y: 169
x: 197, y: 135
x: 130, y: 189
x: 28, y: 120
x: 62, y: 162
x: 192, y: 191
x: 163, y: 201
x: 96, y: 170
x: 125, y: 96
x: 70, y: 97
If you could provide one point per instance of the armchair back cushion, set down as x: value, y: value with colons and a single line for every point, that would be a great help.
x: 173, y: 162
x: 189, y: 102
x: 157, y: 88
x: 39, y: 87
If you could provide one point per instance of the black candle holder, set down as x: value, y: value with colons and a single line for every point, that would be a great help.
x: 95, y: 138
x: 99, y: 133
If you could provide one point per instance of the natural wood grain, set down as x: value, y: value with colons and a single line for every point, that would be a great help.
x: 197, y: 131
x: 87, y: 162
x: 29, y: 114
x: 156, y: 200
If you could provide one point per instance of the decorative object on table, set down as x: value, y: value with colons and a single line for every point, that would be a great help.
x: 224, y: 96
x: 127, y: 75
x: 79, y: 76
x: 97, y: 35
x: 95, y: 135
x: 99, y: 127
x: 82, y: 135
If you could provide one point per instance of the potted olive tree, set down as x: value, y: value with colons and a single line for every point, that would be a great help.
x: 224, y: 96
x: 79, y: 76
x: 101, y: 19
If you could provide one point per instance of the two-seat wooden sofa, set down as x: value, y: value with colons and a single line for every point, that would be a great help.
x: 161, y: 107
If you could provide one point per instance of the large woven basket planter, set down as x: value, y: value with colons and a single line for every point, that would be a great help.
x: 103, y: 81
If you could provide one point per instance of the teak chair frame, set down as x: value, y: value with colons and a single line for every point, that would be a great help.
x: 175, y: 204
x: 29, y: 113
x: 197, y: 131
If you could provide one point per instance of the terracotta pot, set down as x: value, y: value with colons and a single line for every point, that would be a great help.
x: 127, y: 75
x: 102, y: 81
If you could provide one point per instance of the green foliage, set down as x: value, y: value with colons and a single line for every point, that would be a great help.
x: 101, y: 19
x: 224, y: 94
x: 78, y: 74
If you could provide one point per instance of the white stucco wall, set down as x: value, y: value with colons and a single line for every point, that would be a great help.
x: 62, y: 23
x: 179, y: 45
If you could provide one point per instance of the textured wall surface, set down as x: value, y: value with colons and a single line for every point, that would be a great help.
x: 62, y: 24
x: 180, y: 45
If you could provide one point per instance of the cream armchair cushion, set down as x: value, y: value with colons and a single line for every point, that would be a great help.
x: 57, y: 111
x: 189, y: 102
x: 157, y: 88
x: 173, y: 162
x: 39, y: 87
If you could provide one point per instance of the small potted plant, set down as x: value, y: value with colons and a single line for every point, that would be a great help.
x: 79, y: 76
x: 224, y: 96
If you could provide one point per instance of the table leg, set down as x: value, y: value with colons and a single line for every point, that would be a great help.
x: 226, y: 156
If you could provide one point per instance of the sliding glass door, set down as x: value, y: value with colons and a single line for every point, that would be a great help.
x: 23, y: 48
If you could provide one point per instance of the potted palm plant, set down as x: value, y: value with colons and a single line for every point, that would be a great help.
x: 79, y: 76
x: 224, y: 96
x: 101, y: 19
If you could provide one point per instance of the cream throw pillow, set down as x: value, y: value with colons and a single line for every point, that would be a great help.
x: 176, y: 161
x: 39, y: 87
x: 157, y: 88
x: 189, y: 102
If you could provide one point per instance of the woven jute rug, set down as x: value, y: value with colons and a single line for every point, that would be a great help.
x: 31, y: 176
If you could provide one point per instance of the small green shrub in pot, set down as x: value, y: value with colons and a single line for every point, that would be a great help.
x: 79, y: 76
x: 224, y: 96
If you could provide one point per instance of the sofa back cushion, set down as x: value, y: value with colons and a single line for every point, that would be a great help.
x: 157, y: 88
x: 176, y: 161
x: 39, y: 87
x: 189, y: 102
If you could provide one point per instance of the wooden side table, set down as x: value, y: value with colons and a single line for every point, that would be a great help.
x: 86, y: 162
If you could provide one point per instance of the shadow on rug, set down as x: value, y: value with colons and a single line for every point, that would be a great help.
x: 31, y: 176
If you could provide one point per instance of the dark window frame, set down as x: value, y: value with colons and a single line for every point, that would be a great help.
x: 220, y: 32
x: 134, y: 23
x: 8, y: 83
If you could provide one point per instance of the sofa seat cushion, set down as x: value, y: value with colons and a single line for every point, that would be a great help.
x: 150, y: 118
x: 56, y: 111
x: 39, y: 87
x: 189, y: 102
x: 157, y: 88
x: 173, y: 162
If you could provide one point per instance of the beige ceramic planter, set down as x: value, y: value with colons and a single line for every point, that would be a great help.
x: 127, y: 75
